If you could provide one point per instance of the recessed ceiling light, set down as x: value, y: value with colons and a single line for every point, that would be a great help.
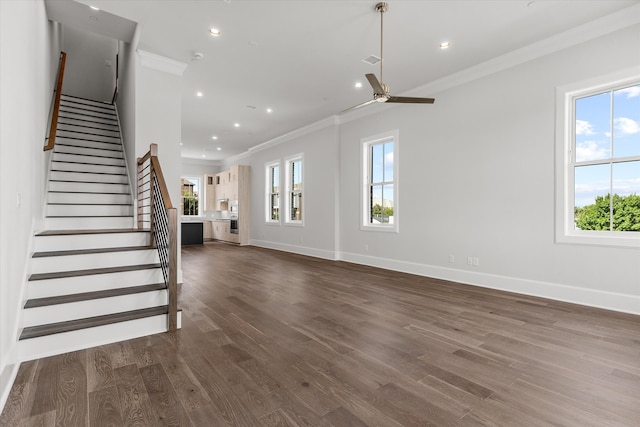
x: 204, y: 155
x: 445, y: 45
x: 214, y: 137
x: 214, y: 32
x: 269, y: 110
x: 199, y: 94
x: 237, y: 125
x: 219, y: 148
x: 181, y: 143
x: 358, y: 85
x: 94, y: 8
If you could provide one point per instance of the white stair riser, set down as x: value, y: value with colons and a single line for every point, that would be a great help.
x: 36, y: 348
x: 103, y: 158
x: 89, y: 241
x: 80, y: 167
x: 54, y: 210
x: 103, y: 124
x: 88, y: 109
x: 88, y: 127
x: 86, y: 136
x: 62, y: 148
x: 88, y: 223
x: 87, y: 104
x: 84, y: 113
x: 68, y: 116
x: 96, y: 282
x: 88, y: 187
x: 88, y: 177
x: 99, y: 307
x: 88, y: 144
x: 90, y: 261
x: 89, y: 198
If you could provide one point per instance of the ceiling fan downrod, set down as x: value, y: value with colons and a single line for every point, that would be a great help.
x: 382, y: 7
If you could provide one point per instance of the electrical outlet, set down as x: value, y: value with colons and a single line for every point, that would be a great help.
x: 452, y: 259
x: 470, y: 260
x: 366, y: 248
x: 476, y: 261
x: 18, y: 199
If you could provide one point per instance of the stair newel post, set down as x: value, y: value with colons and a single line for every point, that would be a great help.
x: 172, y: 216
x: 153, y: 151
x: 140, y: 209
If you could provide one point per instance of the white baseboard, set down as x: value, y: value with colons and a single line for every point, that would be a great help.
x: 7, y: 377
x: 302, y: 250
x: 626, y: 303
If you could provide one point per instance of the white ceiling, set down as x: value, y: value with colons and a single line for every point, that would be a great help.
x: 302, y: 57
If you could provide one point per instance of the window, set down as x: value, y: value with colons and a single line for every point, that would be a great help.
x: 380, y: 180
x: 294, y: 190
x: 600, y: 198
x: 273, y: 192
x: 190, y: 196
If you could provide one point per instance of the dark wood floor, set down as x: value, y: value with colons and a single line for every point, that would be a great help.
x: 274, y: 339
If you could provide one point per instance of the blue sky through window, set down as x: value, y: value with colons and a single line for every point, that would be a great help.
x: 607, y: 126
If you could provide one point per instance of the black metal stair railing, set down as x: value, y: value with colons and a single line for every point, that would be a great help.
x: 156, y: 213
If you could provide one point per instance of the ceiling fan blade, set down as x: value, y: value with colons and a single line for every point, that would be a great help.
x: 375, y: 84
x: 410, y: 100
x: 358, y: 106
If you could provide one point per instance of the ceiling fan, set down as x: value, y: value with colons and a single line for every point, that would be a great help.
x: 381, y: 89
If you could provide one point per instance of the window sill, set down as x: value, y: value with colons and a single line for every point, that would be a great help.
x: 381, y: 228
x: 607, y: 239
x: 294, y: 223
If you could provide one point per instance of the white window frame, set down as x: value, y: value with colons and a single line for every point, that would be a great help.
x: 565, y: 231
x: 200, y: 197
x: 268, y: 168
x: 366, y: 144
x: 288, y: 190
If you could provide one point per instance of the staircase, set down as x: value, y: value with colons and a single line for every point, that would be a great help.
x: 94, y: 279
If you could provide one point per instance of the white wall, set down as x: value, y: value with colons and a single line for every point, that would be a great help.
x: 318, y: 235
x: 195, y: 167
x: 86, y: 72
x: 476, y: 180
x: 158, y: 120
x: 27, y: 73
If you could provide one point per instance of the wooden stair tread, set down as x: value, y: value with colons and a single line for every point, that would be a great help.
x: 88, y: 272
x: 90, y: 251
x: 90, y: 322
x: 87, y: 296
x: 91, y: 231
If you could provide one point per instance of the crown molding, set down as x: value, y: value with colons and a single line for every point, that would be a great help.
x: 313, y: 127
x: 591, y: 30
x: 161, y: 63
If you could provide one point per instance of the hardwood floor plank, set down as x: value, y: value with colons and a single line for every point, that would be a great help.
x: 167, y: 408
x: 189, y: 391
x: 104, y: 408
x: 272, y: 338
x: 72, y: 399
x: 18, y: 401
x: 135, y: 405
x: 99, y: 370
